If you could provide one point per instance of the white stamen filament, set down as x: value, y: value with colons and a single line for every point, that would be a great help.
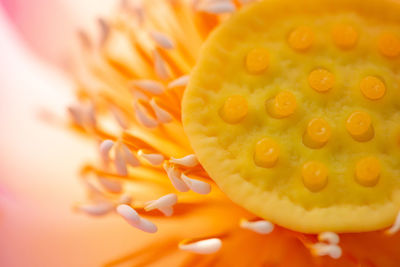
x: 217, y: 7
x: 180, y: 82
x: 119, y: 117
x: 143, y: 117
x: 104, y: 30
x: 175, y: 176
x: 97, y: 209
x: 162, y: 40
x: 167, y: 211
x: 153, y: 159
x: 129, y: 214
x: 322, y: 249
x: 160, y: 66
x: 140, y: 96
x: 129, y: 157
x: 146, y: 226
x: 329, y: 237
x: 105, y: 148
x: 120, y: 163
x: 163, y: 202
x: 162, y: 115
x: 112, y: 186
x: 197, y: 186
x: 395, y: 227
x: 262, y: 227
x: 187, y: 161
x: 150, y: 86
x: 207, y: 246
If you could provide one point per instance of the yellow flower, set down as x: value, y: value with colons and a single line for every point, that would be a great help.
x: 130, y: 82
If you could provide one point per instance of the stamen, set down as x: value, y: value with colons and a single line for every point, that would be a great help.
x: 187, y: 161
x: 152, y: 158
x: 167, y: 211
x: 119, y: 117
x: 120, y: 163
x: 84, y: 40
x: 163, y: 202
x: 175, y: 176
x: 329, y: 237
x: 149, y: 86
x: 180, y: 82
x: 111, y: 186
x: 197, y: 186
x: 395, y: 227
x: 217, y: 7
x: 104, y: 31
x: 162, y: 40
x: 105, y: 148
x: 98, y: 209
x: 207, y: 246
x: 322, y: 249
x: 160, y: 66
x: 146, y: 226
x: 129, y: 214
x: 129, y: 157
x: 162, y: 115
x: 140, y: 96
x: 143, y: 117
x: 262, y: 227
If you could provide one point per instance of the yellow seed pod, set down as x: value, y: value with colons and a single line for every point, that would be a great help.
x: 298, y: 153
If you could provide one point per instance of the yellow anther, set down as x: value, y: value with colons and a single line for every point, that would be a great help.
x: 368, y: 171
x: 372, y: 88
x: 389, y: 45
x: 321, y: 80
x: 266, y: 153
x: 359, y: 126
x: 301, y: 38
x: 344, y: 36
x: 257, y: 60
x: 315, y: 175
x: 317, y: 133
x: 282, y: 105
x: 234, y: 109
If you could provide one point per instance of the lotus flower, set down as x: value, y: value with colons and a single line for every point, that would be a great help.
x: 153, y: 201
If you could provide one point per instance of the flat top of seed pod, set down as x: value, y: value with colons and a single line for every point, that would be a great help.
x: 293, y: 109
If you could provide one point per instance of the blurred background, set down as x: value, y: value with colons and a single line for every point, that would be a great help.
x: 39, y: 162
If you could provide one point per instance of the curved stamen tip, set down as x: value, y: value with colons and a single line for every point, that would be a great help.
x: 162, y: 40
x: 105, y: 148
x: 261, y: 227
x: 175, y: 177
x: 206, y: 246
x: 179, y: 82
x: 132, y: 217
x: 187, y: 161
x: 163, y: 202
x: 395, y: 227
x: 322, y: 249
x: 152, y: 158
x: 197, y: 186
x: 329, y: 237
x: 98, y: 209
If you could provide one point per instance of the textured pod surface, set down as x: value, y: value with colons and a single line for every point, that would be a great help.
x: 314, y: 58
